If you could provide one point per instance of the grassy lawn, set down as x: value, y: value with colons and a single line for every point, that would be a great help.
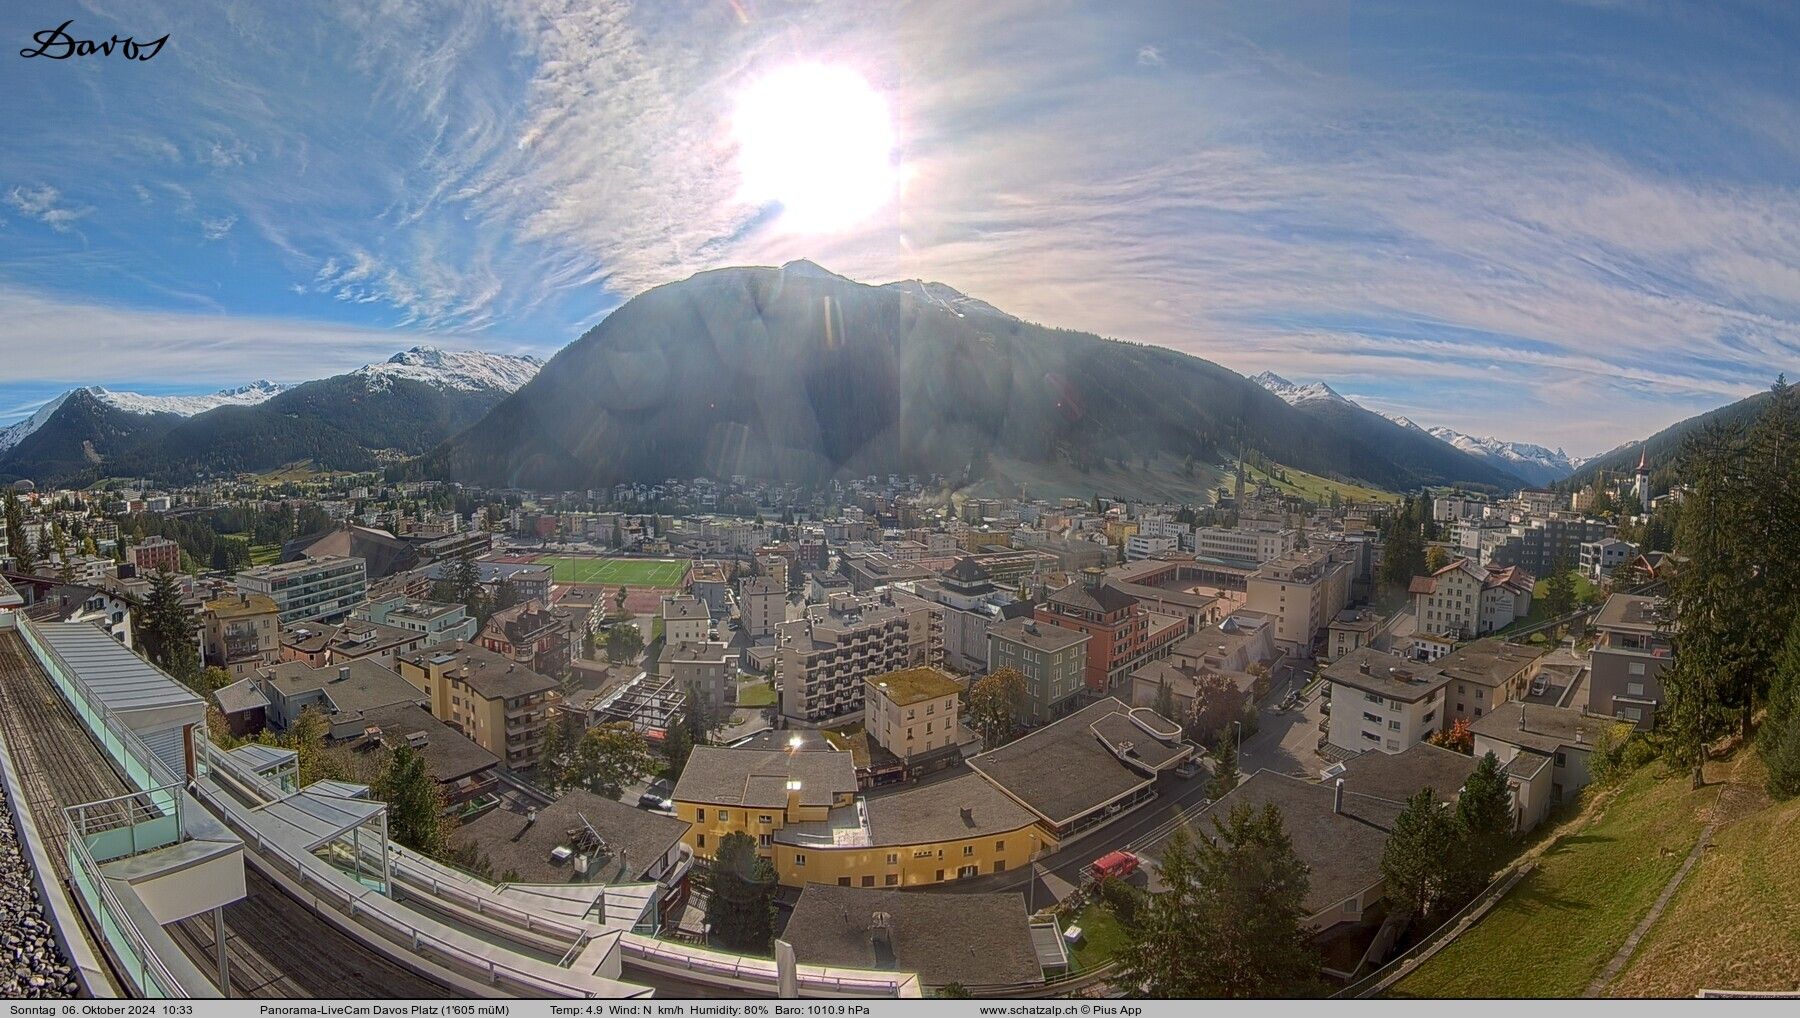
x: 1560, y: 926
x: 265, y: 554
x: 1735, y: 922
x: 755, y: 693
x: 1318, y: 489
x: 1102, y: 936
x: 631, y: 572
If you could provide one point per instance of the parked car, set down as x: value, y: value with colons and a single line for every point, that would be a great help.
x: 656, y: 797
x: 1540, y: 685
x: 1187, y: 769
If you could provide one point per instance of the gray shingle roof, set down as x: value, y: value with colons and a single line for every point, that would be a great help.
x: 755, y: 777
x: 934, y: 812
x: 636, y: 839
x: 1063, y: 771
x: 972, y: 939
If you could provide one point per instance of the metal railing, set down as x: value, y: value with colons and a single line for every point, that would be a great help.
x: 128, y: 824
x: 142, y: 767
x: 383, y: 917
x: 136, y: 960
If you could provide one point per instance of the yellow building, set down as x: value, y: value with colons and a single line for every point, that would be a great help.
x: 758, y: 792
x: 1118, y: 531
x: 243, y: 633
x: 500, y: 704
x: 912, y: 712
x: 808, y: 820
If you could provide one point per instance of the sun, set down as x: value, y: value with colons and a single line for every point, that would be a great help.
x: 815, y: 139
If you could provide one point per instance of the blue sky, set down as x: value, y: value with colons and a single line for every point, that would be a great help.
x: 1567, y: 223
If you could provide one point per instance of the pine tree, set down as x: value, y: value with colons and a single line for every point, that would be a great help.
x: 1231, y: 923
x: 1419, y: 861
x: 678, y: 745
x: 1559, y: 590
x: 1778, y: 740
x: 1165, y: 699
x: 415, y: 802
x: 1484, y: 820
x: 741, y: 907
x: 1225, y: 769
x: 165, y: 630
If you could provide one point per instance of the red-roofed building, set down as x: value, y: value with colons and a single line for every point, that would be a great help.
x: 1122, y: 633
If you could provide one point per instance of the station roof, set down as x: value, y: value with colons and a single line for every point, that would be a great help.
x: 122, y: 681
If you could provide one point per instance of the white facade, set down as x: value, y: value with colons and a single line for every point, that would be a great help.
x: 1363, y: 720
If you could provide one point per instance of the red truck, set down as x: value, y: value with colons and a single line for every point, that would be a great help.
x: 1119, y: 864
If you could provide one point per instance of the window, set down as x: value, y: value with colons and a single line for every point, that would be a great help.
x: 1635, y: 668
x: 724, y: 815
x: 868, y: 881
x: 700, y: 814
x: 968, y: 850
x: 1372, y: 697
x: 1459, y: 708
x: 1478, y: 712
x: 940, y: 876
x: 1634, y: 689
x: 765, y: 819
x: 799, y: 859
x: 1373, y: 718
x: 1372, y: 737
x: 843, y: 881
x: 1561, y: 760
x: 764, y: 840
x: 965, y: 872
x: 999, y: 846
x: 1430, y: 717
x: 999, y: 867
x: 699, y: 841
x: 892, y: 880
x: 893, y: 859
x: 1631, y: 713
x: 1393, y: 726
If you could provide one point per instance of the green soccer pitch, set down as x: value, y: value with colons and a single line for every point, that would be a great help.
x: 611, y: 572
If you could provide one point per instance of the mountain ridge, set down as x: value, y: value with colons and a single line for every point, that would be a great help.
x: 804, y: 375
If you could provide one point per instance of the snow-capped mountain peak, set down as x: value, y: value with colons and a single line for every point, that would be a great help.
x: 187, y: 406
x: 1533, y: 463
x: 141, y: 403
x: 1297, y: 394
x: 468, y: 370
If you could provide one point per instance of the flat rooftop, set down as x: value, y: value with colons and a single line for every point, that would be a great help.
x: 1067, y: 769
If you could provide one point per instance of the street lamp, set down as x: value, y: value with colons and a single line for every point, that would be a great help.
x: 1239, y: 755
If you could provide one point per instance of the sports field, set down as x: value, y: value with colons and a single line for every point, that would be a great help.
x: 612, y: 572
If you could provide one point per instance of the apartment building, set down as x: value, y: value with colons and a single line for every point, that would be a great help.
x: 155, y: 554
x: 543, y: 639
x: 1302, y: 593
x: 1630, y: 654
x: 1382, y: 702
x: 1484, y: 675
x: 243, y: 633
x: 913, y: 715
x: 1244, y: 547
x: 309, y: 590
x: 500, y: 704
x: 1463, y: 600
x: 1052, y: 659
x: 685, y: 619
x: 762, y: 605
x: 1542, y: 542
x: 1600, y: 558
x: 822, y: 658
x: 706, y: 669
x: 1123, y: 634
x: 1353, y: 628
x: 436, y: 621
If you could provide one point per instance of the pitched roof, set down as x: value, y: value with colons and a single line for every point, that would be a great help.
x: 972, y: 939
x: 760, y: 778
x: 1103, y: 598
x: 635, y: 839
x: 1342, y: 851
x: 1067, y: 769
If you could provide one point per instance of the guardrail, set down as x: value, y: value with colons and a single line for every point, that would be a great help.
x: 129, y: 824
x: 133, y: 956
x: 142, y: 768
x: 380, y: 915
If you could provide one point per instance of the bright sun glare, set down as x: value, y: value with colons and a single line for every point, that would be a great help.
x: 816, y: 140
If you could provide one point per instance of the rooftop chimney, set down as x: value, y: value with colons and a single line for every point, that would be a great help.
x: 1363, y: 668
x: 343, y: 672
x: 1337, y: 797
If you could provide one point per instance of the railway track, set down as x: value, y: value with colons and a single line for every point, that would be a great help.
x: 278, y: 947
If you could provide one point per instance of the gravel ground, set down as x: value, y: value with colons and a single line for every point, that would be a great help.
x: 31, y: 963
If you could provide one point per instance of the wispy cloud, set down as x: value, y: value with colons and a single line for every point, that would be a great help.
x: 1466, y: 212
x: 44, y: 204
